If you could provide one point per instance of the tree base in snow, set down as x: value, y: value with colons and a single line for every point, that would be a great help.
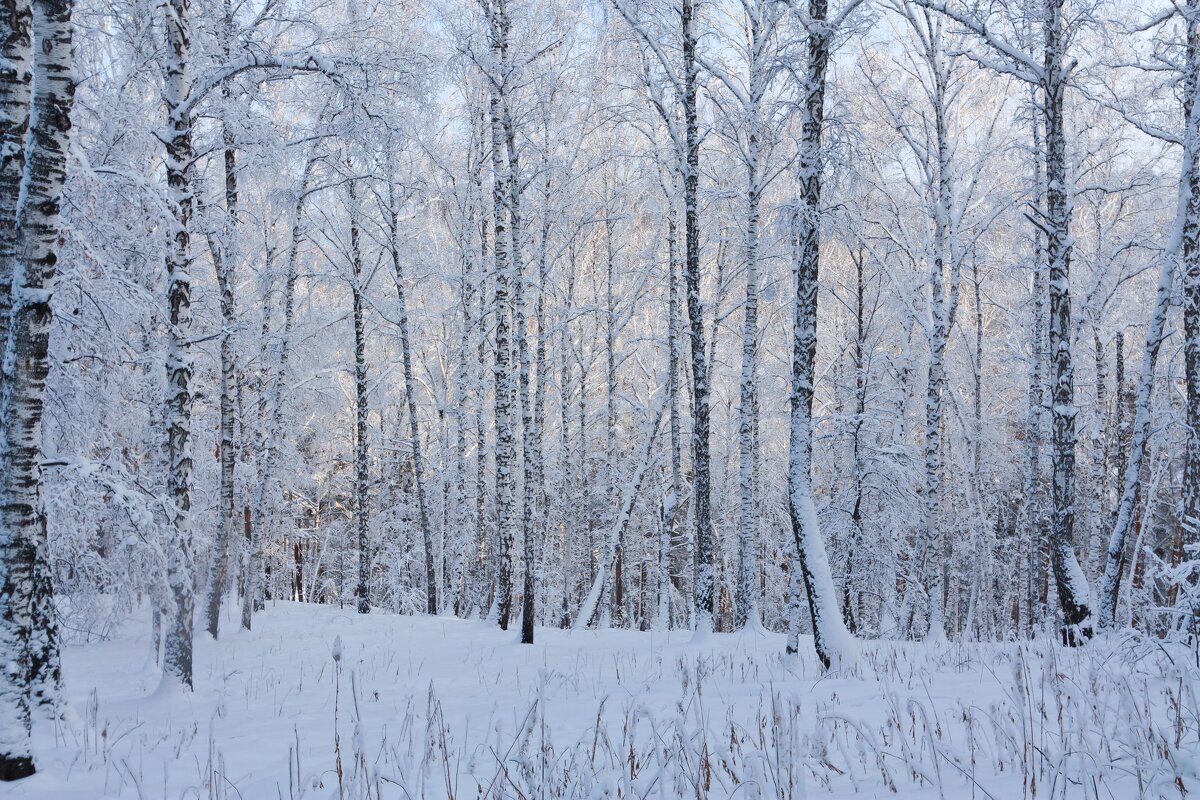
x: 1076, y: 635
x: 13, y: 769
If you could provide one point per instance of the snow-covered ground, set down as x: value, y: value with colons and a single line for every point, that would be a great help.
x: 431, y: 707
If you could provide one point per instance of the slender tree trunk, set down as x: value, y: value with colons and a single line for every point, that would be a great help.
x: 534, y: 447
x: 705, y: 599
x: 414, y: 431
x: 487, y: 549
x: 362, y: 591
x: 224, y: 255
x: 850, y: 603
x: 746, y: 603
x: 610, y: 597
x: 1094, y: 558
x: 1035, y: 436
x: 529, y: 427
x: 681, y: 543
x: 505, y: 395
x: 944, y: 268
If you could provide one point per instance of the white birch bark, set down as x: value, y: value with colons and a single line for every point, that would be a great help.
x: 177, y: 647
x: 835, y: 645
x: 505, y: 392
x: 17, y: 537
x: 705, y: 595
x: 29, y: 660
x: 224, y: 261
x: 16, y: 78
x: 1073, y: 592
x: 362, y: 590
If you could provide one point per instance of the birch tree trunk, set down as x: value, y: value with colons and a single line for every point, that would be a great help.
x: 177, y: 648
x: 1191, y: 257
x: 944, y: 285
x: 487, y: 550
x: 362, y: 591
x: 28, y: 627
x: 505, y: 393
x: 675, y: 507
x: 1069, y: 578
x: 16, y: 77
x: 746, y: 611
x: 610, y: 597
x: 529, y: 429
x: 834, y: 644
x: 534, y: 453
x: 629, y: 493
x: 414, y: 431
x: 705, y: 599
x: 850, y: 602
x: 223, y: 261
x: 18, y: 539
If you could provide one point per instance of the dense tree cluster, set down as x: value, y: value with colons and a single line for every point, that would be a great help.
x: 863, y: 318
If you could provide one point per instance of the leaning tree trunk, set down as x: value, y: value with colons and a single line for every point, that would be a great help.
x: 177, y: 650
x: 621, y: 519
x: 1182, y: 242
x: 1069, y: 578
x: 28, y: 631
x: 834, y: 644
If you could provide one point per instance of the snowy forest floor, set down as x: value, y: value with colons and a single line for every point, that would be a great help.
x: 426, y: 707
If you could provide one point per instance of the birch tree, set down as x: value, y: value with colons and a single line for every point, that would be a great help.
x: 835, y: 645
x: 28, y: 628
